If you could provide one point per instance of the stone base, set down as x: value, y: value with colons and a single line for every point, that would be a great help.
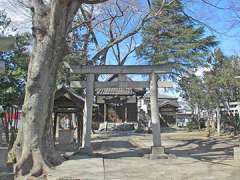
x: 157, y: 150
x: 236, y: 153
x: 7, y: 176
x: 3, y: 157
x: 159, y: 153
x: 86, y: 151
x: 126, y: 126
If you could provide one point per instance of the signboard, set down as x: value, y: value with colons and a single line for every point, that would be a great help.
x: 165, y: 84
x: 2, y: 66
x: 7, y: 43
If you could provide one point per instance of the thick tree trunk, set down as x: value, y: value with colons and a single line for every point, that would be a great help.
x: 34, y: 147
x: 36, y: 141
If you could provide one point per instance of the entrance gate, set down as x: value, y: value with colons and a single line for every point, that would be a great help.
x: 90, y: 84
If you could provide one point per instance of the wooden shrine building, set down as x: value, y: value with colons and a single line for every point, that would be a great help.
x: 68, y: 103
x: 118, y: 104
x: 168, y: 108
x: 91, y: 85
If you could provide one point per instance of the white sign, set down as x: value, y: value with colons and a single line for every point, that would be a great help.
x: 165, y: 84
x: 2, y: 66
x: 7, y: 43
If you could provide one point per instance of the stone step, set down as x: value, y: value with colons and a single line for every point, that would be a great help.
x: 3, y: 157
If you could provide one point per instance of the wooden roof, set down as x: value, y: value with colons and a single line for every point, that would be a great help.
x: 119, y: 91
x: 166, y: 102
x: 114, y: 91
x: 66, y: 98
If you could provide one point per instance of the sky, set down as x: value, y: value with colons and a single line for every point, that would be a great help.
x: 222, y: 21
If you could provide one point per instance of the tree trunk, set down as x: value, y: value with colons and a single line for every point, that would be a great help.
x: 36, y: 141
x: 218, y: 116
x: 34, y: 147
x: 208, y: 125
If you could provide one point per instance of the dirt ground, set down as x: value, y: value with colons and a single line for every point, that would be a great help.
x: 122, y: 156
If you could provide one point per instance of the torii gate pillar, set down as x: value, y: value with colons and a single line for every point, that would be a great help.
x: 157, y: 149
x: 155, y: 111
x: 87, y: 116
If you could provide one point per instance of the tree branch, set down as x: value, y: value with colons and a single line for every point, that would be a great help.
x: 93, y: 1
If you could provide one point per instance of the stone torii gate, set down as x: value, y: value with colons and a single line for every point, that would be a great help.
x: 90, y: 84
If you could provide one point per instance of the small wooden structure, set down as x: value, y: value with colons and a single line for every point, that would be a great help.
x: 67, y: 102
x: 118, y: 104
x: 168, y: 108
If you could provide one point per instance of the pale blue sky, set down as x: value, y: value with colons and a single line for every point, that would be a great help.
x: 223, y: 21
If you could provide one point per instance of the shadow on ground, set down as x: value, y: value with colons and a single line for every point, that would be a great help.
x: 118, y: 149
x: 210, y: 149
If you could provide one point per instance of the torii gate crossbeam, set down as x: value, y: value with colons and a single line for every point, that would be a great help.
x: 126, y: 69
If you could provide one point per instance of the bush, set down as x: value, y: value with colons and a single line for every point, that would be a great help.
x: 190, y: 126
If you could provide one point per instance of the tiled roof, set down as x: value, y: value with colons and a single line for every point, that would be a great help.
x: 68, y: 93
x: 166, y: 102
x: 161, y: 96
x: 115, y: 91
x: 119, y: 91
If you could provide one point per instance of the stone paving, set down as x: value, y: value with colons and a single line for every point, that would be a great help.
x: 120, y: 156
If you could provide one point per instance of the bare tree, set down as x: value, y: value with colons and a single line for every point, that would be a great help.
x: 51, y: 22
x: 111, y: 29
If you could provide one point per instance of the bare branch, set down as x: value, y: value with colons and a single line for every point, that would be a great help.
x: 93, y: 1
x: 89, y: 25
x: 215, y: 6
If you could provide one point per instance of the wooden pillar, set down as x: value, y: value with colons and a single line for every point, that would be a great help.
x: 75, y: 129
x: 1, y: 131
x: 79, y: 128
x: 105, y: 112
x: 55, y: 126
x: 218, y: 116
x: 87, y: 117
x: 126, y: 112
x: 1, y: 125
x: 155, y: 111
x: 74, y: 120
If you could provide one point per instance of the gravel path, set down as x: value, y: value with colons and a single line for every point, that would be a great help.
x: 121, y: 157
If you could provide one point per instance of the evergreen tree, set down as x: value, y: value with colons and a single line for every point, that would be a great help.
x: 194, y: 91
x: 172, y: 36
x: 12, y: 81
x: 222, y: 85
